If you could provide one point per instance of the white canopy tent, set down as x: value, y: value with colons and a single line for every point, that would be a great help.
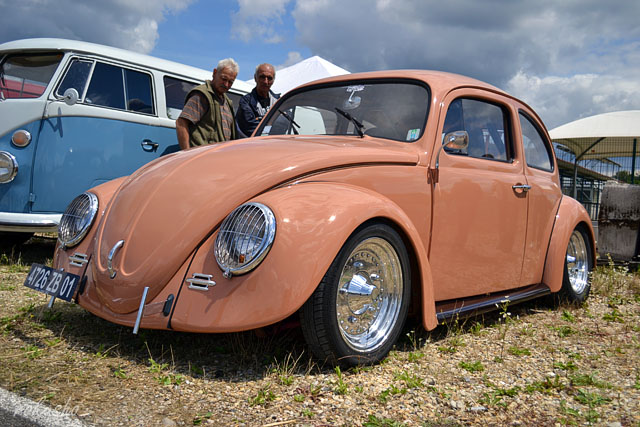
x: 601, y: 137
x: 310, y: 69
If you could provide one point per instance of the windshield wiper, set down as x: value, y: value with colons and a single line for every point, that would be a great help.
x: 353, y: 120
x: 293, y: 122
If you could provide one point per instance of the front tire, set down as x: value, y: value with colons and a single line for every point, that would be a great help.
x: 358, y: 310
x: 576, y: 282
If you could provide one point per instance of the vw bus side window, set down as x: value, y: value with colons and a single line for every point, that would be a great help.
x: 107, y: 89
x: 175, y: 92
x: 27, y: 75
x: 76, y: 77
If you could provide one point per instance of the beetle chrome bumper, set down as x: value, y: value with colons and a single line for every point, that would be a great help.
x: 29, y: 222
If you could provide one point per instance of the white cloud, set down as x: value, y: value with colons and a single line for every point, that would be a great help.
x: 258, y: 19
x: 127, y: 24
x: 520, y: 46
x: 292, y: 58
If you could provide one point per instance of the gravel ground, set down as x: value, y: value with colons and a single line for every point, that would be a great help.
x: 533, y: 364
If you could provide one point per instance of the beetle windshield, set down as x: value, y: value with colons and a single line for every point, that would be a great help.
x: 384, y: 109
x: 27, y: 75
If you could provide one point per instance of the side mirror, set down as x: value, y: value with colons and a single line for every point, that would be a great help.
x: 70, y: 96
x: 458, y: 140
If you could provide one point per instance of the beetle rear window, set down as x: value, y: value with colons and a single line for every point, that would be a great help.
x: 394, y: 110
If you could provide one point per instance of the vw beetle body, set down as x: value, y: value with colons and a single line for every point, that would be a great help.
x: 371, y: 214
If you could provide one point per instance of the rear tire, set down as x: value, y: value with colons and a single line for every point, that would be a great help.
x: 576, y: 282
x: 358, y: 310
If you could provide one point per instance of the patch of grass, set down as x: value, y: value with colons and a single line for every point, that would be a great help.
x: 306, y: 412
x: 32, y: 351
x: 569, y: 366
x: 546, y: 386
x: 614, y: 316
x: 568, y: 316
x: 590, y: 399
x: 199, y: 418
x: 519, y: 351
x: 472, y: 366
x: 286, y: 368
x: 374, y: 421
x: 579, y: 380
x: 391, y: 390
x: 563, y: 330
x: 263, y: 397
x: 410, y: 381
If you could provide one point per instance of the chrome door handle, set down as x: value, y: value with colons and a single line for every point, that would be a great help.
x: 523, y: 187
x: 149, y: 146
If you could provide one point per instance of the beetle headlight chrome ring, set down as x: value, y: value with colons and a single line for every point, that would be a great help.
x: 77, y: 219
x: 244, y: 238
x: 8, y: 167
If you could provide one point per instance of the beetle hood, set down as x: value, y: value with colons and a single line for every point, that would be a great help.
x: 167, y: 208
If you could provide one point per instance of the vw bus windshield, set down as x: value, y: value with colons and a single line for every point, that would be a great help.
x: 388, y: 109
x: 27, y: 75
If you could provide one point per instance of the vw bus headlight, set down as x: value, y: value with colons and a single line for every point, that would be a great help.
x: 77, y: 219
x: 244, y: 239
x: 8, y: 167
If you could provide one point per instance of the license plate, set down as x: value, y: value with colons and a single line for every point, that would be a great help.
x: 57, y: 283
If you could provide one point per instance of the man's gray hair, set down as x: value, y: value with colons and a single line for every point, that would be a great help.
x: 255, y: 73
x: 228, y: 63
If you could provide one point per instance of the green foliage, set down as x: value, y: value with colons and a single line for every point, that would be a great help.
x: 547, y: 386
x: 263, y: 397
x: 199, y: 418
x: 374, y: 421
x: 411, y: 381
x: 569, y: 366
x: 614, y: 316
x: 519, y: 351
x: 341, y: 386
x: 568, y: 316
x: 472, y: 366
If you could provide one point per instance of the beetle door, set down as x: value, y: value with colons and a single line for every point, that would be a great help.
x: 479, y: 202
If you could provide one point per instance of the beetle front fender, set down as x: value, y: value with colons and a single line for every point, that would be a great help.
x: 570, y: 214
x: 314, y: 220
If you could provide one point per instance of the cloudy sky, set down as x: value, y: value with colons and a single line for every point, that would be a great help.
x: 567, y: 58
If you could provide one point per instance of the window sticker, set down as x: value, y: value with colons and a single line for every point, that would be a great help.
x: 413, y: 134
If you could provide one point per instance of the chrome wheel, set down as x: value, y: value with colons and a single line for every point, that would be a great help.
x: 578, y: 262
x: 369, y: 294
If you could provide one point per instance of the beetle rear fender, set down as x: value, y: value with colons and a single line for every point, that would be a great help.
x: 314, y: 220
x: 571, y: 214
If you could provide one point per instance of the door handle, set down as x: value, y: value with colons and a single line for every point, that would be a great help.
x: 523, y: 187
x: 149, y: 146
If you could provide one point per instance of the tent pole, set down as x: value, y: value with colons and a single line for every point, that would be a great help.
x: 633, y: 161
x: 575, y: 179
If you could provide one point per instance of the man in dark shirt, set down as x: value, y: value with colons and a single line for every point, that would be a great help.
x: 254, y: 105
x: 207, y: 116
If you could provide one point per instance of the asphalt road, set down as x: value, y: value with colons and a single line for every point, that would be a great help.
x: 16, y: 411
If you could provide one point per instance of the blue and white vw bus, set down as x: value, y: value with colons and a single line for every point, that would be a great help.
x: 74, y: 115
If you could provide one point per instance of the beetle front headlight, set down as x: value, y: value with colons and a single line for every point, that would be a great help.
x: 244, y: 239
x: 77, y: 219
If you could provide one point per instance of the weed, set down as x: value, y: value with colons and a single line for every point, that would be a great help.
x: 373, y: 421
x: 568, y: 316
x: 199, y: 418
x: 156, y: 367
x: 614, y: 316
x: 120, y: 373
x: 519, y: 351
x: 587, y: 380
x: 415, y: 356
x: 298, y: 398
x: 32, y: 351
x: 569, y: 366
x: 341, y: 387
x: 285, y: 369
x: 563, y: 330
x: 505, y: 318
x: 264, y: 396
x: 472, y: 366
x: 306, y: 412
x: 547, y: 386
x: 411, y: 381
x: 590, y: 399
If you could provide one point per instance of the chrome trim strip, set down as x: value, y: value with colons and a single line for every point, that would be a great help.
x: 141, y: 308
x: 29, y: 222
x: 112, y: 253
x: 201, y: 282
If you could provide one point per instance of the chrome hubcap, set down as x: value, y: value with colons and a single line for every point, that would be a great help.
x: 370, y: 291
x: 578, y: 262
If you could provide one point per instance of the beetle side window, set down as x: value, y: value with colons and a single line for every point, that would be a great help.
x: 485, y: 124
x: 76, y: 77
x: 537, y: 152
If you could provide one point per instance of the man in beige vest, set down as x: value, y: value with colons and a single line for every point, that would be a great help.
x: 207, y: 116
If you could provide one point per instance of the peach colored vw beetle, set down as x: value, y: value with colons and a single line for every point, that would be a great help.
x: 358, y: 198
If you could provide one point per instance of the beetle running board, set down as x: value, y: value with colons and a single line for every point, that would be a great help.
x: 481, y: 304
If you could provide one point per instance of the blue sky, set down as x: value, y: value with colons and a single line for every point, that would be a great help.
x: 568, y: 59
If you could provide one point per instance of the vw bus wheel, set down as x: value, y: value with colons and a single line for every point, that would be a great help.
x: 576, y: 282
x: 358, y: 310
